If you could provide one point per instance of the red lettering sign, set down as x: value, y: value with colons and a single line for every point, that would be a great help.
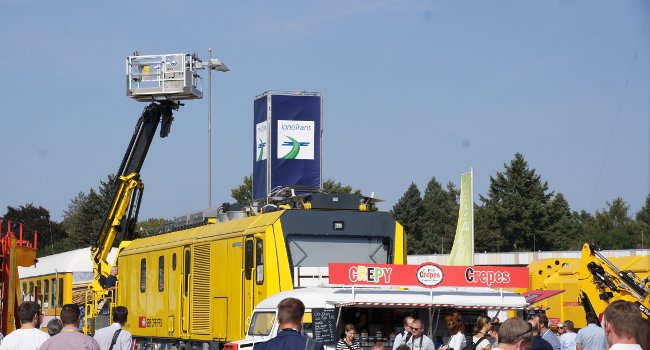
x: 429, y: 275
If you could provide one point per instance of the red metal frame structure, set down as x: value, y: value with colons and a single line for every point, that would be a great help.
x: 14, y: 252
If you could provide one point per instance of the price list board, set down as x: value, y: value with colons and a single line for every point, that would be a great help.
x: 324, y: 321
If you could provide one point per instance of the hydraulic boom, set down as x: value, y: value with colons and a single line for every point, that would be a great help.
x: 610, y: 283
x: 123, y: 212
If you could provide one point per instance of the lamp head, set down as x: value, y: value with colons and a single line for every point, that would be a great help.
x: 216, y: 64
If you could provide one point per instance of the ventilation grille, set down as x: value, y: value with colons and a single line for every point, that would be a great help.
x: 200, y: 304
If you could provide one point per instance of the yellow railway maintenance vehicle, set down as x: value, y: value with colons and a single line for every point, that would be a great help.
x: 195, y: 287
x: 591, y: 283
x: 198, y: 287
x: 58, y: 279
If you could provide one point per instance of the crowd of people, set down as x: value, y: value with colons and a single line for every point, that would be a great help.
x: 622, y: 328
x: 63, y: 332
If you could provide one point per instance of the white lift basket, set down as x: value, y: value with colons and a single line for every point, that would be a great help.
x: 170, y: 77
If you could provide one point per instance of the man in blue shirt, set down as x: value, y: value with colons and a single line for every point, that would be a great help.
x: 538, y: 342
x: 290, y: 313
x: 591, y: 337
x: 545, y: 332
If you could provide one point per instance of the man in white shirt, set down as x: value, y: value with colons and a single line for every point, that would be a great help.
x: 114, y: 337
x: 419, y: 341
x: 622, y: 323
x: 29, y: 336
x: 401, y: 338
x: 568, y: 337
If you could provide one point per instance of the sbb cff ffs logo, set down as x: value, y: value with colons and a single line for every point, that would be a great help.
x: 429, y: 275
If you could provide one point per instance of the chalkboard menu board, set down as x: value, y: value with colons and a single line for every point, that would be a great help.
x: 324, y: 325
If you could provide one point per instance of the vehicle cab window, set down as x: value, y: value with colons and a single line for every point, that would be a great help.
x: 262, y: 323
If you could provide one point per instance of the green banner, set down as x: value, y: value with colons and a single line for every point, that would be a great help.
x: 463, y: 250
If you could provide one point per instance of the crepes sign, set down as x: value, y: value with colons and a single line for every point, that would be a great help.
x: 428, y: 275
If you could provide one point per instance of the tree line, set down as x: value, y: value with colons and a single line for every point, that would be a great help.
x: 518, y: 213
x: 81, y: 222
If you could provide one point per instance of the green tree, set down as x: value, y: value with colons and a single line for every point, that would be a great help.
x: 35, y: 219
x: 408, y: 211
x: 643, y: 220
x: 564, y: 230
x: 485, y: 238
x: 86, y: 212
x: 440, y: 214
x: 515, y: 207
x: 243, y: 193
x: 613, y: 228
x: 332, y: 186
x: 150, y: 227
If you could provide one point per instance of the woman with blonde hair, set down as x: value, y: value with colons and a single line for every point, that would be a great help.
x: 456, y: 328
x: 481, y: 333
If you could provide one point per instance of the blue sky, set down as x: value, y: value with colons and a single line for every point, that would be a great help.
x: 412, y: 89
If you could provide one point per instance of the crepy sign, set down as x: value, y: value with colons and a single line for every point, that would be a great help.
x: 428, y: 275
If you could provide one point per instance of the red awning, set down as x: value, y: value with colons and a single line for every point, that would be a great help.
x: 432, y: 305
x: 534, y: 296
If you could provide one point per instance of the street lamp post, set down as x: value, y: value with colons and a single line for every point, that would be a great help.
x: 213, y: 64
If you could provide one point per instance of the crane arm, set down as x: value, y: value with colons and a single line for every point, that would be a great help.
x: 123, y: 211
x: 611, y: 282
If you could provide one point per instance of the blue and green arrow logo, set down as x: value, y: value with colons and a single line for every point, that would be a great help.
x: 261, y: 147
x: 295, y: 148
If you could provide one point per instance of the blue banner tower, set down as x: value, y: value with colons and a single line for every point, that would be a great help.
x: 287, y: 142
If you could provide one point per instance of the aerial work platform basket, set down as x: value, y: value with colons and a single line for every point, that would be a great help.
x: 164, y: 77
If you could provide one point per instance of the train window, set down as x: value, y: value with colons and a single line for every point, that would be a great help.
x: 46, y: 293
x: 30, y: 294
x: 248, y: 259
x: 143, y: 275
x: 319, y: 251
x: 24, y: 290
x: 174, y: 261
x: 38, y: 293
x: 187, y: 272
x: 161, y: 273
x: 54, y: 289
x: 259, y: 261
x: 61, y: 301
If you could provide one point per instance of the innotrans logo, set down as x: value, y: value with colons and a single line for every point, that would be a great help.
x: 260, y: 148
x: 295, y: 139
x: 261, y: 141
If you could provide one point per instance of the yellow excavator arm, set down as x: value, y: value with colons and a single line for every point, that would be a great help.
x: 602, y: 282
x: 122, y: 215
x: 129, y: 188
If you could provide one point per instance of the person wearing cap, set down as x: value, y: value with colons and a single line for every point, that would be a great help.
x: 568, y: 337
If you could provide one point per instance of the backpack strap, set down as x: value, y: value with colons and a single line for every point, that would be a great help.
x: 473, y: 347
x: 117, y: 334
x: 310, y: 344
